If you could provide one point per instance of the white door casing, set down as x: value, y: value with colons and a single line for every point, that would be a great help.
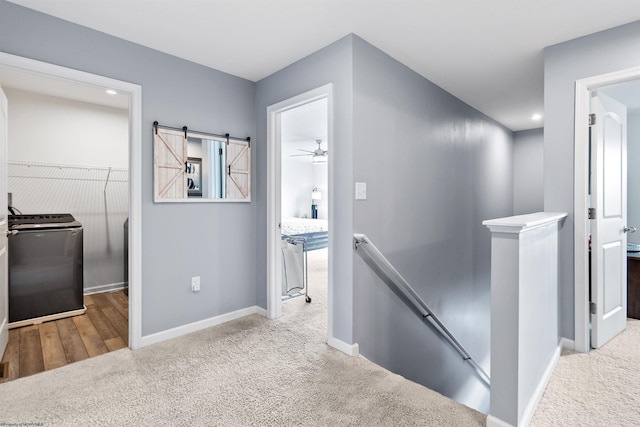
x: 609, y: 239
x: 134, y: 92
x: 274, y: 241
x: 583, y: 88
x: 4, y: 283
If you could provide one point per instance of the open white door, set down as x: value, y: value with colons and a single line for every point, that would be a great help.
x: 4, y: 288
x: 609, y: 227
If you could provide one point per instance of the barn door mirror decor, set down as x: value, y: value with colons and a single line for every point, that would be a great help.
x: 194, y: 166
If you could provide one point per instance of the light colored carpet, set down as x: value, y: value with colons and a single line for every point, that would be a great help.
x: 248, y: 372
x: 600, y: 388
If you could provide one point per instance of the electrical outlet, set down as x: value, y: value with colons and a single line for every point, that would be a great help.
x: 195, y: 284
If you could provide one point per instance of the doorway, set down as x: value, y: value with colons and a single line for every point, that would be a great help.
x: 304, y: 213
x: 283, y: 143
x: 616, y: 84
x: 65, y: 77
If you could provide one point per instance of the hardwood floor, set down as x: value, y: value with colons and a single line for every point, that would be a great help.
x: 36, y: 348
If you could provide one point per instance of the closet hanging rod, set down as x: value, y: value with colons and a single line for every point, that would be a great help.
x: 54, y: 178
x: 62, y: 166
x: 185, y: 129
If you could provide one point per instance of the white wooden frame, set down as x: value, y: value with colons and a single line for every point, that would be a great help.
x: 134, y: 92
x: 274, y: 255
x: 581, y: 169
x: 157, y: 199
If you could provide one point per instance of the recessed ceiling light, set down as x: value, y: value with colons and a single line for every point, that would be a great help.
x: 111, y: 92
x: 536, y: 117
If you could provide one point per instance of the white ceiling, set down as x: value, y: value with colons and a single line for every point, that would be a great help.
x: 487, y: 53
x: 59, y: 88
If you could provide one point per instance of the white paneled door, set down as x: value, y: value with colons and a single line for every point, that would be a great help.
x: 4, y: 287
x: 609, y: 227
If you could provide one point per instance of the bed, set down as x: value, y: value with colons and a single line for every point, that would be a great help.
x: 314, y: 232
x: 300, y: 235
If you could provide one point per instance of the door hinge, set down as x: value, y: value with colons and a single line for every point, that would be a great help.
x: 592, y: 307
x: 592, y: 213
x: 592, y: 119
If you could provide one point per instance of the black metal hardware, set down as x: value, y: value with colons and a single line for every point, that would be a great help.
x: 226, y: 136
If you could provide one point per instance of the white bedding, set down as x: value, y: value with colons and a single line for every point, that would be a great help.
x: 292, y: 226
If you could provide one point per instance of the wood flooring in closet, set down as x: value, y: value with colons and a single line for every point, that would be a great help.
x: 103, y: 328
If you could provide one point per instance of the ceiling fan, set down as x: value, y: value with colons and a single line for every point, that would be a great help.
x: 317, y: 156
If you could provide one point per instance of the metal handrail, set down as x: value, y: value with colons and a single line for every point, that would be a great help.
x: 361, y: 240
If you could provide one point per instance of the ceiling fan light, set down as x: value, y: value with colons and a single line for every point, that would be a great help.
x: 317, y: 160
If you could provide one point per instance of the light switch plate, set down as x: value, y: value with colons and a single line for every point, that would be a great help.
x: 195, y: 284
x: 361, y: 191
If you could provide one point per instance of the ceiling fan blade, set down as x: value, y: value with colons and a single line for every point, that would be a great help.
x: 300, y: 155
x: 306, y: 151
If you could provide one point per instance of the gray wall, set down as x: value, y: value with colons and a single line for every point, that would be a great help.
x: 458, y: 164
x: 588, y: 56
x: 333, y: 64
x: 442, y: 168
x: 633, y: 174
x: 214, y: 241
x: 528, y: 170
x: 446, y: 168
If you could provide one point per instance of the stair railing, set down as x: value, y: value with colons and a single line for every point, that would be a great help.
x: 386, y: 269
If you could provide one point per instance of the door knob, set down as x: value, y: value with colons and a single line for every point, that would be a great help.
x: 629, y: 229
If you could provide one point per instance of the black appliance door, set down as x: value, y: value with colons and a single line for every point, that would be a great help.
x: 45, y: 273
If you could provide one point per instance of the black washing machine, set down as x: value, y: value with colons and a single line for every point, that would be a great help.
x: 45, y: 266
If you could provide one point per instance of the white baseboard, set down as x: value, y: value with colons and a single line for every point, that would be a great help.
x: 262, y: 312
x: 527, y: 415
x: 496, y: 422
x: 199, y: 325
x: 103, y: 288
x: 568, y: 344
x: 349, y: 349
